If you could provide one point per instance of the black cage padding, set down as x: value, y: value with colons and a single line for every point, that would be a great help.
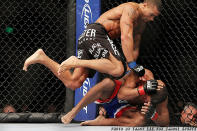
x: 30, y: 117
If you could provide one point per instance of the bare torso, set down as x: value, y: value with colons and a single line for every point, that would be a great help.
x: 111, y: 20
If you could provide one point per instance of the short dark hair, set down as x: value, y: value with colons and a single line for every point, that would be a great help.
x: 190, y: 104
x: 158, y: 3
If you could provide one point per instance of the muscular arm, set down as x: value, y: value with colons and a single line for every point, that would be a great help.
x: 128, y: 91
x: 137, y: 40
x: 163, y: 114
x: 126, y: 25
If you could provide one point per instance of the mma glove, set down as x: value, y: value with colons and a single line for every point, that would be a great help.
x: 149, y: 88
x: 156, y: 99
x: 138, y: 69
x: 151, y: 113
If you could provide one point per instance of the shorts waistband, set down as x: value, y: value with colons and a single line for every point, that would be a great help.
x: 102, y: 27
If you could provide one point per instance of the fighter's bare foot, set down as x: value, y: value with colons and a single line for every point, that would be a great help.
x: 95, y: 122
x: 68, y: 64
x: 68, y: 117
x: 33, y: 59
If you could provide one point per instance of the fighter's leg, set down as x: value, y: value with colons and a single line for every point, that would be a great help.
x: 132, y: 119
x: 111, y: 66
x: 102, y: 90
x: 70, y: 80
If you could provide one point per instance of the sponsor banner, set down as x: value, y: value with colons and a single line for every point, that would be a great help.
x: 87, y: 11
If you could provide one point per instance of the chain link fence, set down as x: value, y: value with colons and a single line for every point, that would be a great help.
x: 169, y: 49
x: 26, y: 26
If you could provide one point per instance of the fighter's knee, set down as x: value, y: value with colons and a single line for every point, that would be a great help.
x: 72, y: 85
x: 69, y: 85
x: 118, y: 71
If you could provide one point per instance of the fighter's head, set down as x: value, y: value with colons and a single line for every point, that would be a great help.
x: 150, y: 9
x: 9, y: 109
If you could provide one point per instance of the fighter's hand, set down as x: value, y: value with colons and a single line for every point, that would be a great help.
x: 149, y: 110
x: 139, y: 70
x: 102, y: 111
x: 145, y: 108
x: 193, y: 123
x: 67, y: 64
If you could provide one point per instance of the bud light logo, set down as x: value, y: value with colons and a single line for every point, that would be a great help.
x: 84, y: 90
x: 86, y: 15
x: 87, y: 11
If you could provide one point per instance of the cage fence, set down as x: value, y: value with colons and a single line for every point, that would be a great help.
x: 26, y: 26
x: 169, y: 50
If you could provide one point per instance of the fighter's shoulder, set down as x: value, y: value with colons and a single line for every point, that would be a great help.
x: 129, y: 5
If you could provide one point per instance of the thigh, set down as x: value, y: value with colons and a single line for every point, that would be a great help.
x: 115, y: 54
x: 108, y: 87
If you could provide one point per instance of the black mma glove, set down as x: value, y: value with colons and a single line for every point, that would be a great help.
x: 138, y: 69
x: 149, y: 88
x: 156, y: 98
x: 151, y: 113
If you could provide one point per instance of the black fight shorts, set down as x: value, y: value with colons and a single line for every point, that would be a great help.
x: 94, y: 43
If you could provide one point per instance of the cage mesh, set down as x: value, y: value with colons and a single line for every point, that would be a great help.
x: 26, y: 26
x: 169, y: 49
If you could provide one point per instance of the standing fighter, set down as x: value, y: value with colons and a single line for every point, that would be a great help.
x: 126, y: 21
x: 112, y: 94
